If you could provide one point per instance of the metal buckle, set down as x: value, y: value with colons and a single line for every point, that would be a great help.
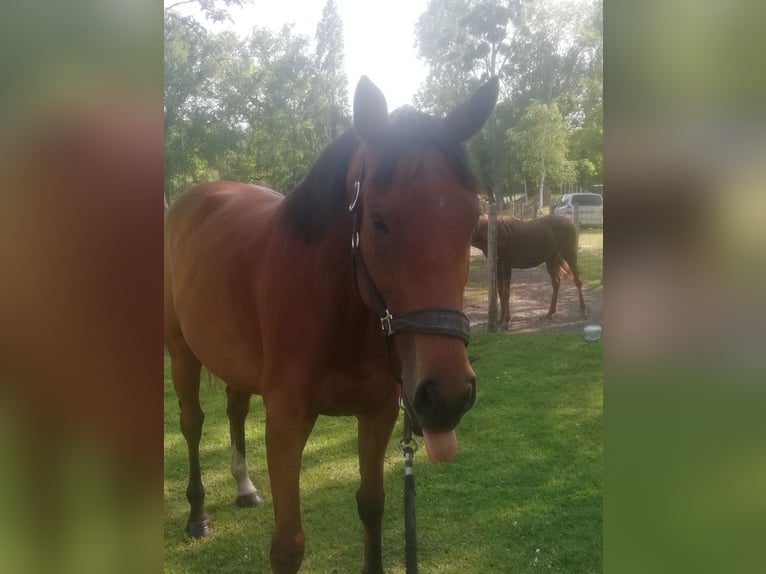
x: 352, y: 205
x: 411, y: 445
x: 385, y: 323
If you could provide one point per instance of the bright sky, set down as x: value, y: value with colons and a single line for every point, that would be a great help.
x: 379, y: 38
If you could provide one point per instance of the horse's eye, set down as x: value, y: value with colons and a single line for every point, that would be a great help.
x: 378, y: 223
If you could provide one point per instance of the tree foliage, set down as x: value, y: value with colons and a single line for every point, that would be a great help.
x: 545, y: 52
x: 464, y: 43
x: 541, y: 141
x: 257, y: 108
x: 331, y: 80
x: 213, y: 10
x: 261, y: 107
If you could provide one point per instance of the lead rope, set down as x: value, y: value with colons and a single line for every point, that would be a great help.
x: 408, y: 446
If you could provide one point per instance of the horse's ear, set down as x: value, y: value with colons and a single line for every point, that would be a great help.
x: 370, y: 112
x: 468, y: 118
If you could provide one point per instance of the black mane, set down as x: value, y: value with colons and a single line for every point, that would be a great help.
x: 310, y: 207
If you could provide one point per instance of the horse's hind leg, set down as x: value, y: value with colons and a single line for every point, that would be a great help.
x: 578, y: 284
x: 374, y: 434
x: 552, y: 267
x: 237, y: 408
x: 571, y: 258
x: 185, y: 370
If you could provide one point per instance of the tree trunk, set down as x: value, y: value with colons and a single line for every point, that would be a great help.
x: 492, y: 265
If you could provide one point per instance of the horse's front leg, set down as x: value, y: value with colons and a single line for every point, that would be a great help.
x: 237, y: 408
x: 288, y: 425
x: 505, y: 301
x: 374, y: 433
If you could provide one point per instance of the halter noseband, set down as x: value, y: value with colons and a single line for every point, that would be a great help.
x: 429, y: 320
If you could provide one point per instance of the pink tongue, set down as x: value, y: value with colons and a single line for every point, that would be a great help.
x: 441, y: 446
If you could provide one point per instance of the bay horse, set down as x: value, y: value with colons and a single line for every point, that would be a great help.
x: 336, y: 300
x: 550, y: 239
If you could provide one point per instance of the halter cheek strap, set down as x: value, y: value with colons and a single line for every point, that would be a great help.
x: 429, y: 320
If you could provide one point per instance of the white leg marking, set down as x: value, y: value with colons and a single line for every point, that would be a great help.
x: 240, y: 473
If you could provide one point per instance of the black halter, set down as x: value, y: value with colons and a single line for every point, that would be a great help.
x: 430, y: 320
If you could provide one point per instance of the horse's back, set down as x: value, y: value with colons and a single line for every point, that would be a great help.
x: 220, y: 204
x: 566, y: 233
x: 214, y: 234
x: 527, y: 243
x: 209, y: 224
x: 561, y: 224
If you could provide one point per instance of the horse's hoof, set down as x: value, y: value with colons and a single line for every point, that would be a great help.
x: 199, y: 529
x: 250, y: 500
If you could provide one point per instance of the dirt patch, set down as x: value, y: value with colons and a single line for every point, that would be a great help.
x: 530, y: 297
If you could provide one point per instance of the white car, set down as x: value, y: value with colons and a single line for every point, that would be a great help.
x: 590, y: 208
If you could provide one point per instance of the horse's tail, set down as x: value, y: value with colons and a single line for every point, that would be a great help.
x: 566, y: 237
x: 562, y: 269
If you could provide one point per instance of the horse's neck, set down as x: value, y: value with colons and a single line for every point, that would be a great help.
x: 479, y: 237
x: 480, y: 242
x: 507, y: 229
x: 333, y: 265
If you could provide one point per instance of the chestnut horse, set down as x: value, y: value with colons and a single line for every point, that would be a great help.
x: 265, y: 292
x: 550, y: 239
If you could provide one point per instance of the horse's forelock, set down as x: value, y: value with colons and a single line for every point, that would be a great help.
x: 409, y: 131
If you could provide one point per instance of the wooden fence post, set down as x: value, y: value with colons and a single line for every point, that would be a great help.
x: 576, y: 221
x: 492, y: 265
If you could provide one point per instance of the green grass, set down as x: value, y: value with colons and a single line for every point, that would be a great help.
x: 590, y: 256
x: 476, y: 285
x: 523, y: 495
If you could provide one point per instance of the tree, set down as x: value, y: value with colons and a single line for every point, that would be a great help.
x: 282, y: 133
x: 586, y: 143
x: 184, y: 72
x: 236, y: 108
x: 464, y: 42
x: 557, y: 57
x: 543, y: 50
x: 331, y: 84
x: 549, y: 55
x: 211, y: 9
x: 191, y: 63
x: 541, y: 142
x: 587, y: 140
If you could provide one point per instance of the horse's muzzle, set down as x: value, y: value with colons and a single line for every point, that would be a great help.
x: 435, y: 406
